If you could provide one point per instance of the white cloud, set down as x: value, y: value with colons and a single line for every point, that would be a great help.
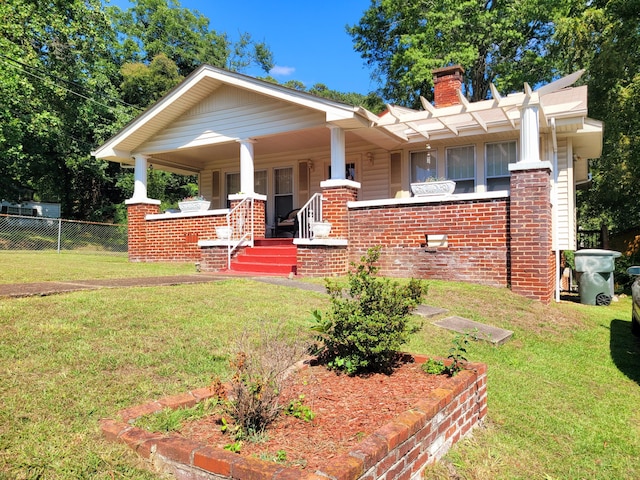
x: 281, y: 71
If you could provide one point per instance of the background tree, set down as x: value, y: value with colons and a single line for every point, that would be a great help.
x: 57, y: 101
x: 604, y: 37
x: 153, y: 27
x: 503, y: 42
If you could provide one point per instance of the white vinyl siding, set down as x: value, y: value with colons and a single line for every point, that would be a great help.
x: 228, y: 115
x: 565, y: 238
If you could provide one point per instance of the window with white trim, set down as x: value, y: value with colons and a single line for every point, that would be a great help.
x: 498, y: 156
x: 461, y: 168
x: 423, y: 166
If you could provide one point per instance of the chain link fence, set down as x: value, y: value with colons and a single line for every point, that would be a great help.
x: 40, y: 233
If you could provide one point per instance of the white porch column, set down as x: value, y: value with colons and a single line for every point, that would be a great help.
x: 140, y: 178
x: 246, y: 166
x: 338, y: 163
x: 529, y: 135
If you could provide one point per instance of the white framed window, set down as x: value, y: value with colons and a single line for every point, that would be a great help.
x: 498, y: 156
x: 423, y: 165
x: 461, y: 168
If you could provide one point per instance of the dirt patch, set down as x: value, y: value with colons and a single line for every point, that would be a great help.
x: 347, y: 410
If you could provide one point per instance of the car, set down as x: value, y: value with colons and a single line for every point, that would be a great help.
x: 635, y: 293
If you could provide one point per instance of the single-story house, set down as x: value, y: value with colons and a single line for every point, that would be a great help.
x: 261, y: 150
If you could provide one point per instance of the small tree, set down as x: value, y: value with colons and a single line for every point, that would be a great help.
x: 369, y: 321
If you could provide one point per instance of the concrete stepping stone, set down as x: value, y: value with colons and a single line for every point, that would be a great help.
x: 428, y: 311
x: 491, y: 334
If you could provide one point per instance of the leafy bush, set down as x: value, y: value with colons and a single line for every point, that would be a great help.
x: 368, y: 322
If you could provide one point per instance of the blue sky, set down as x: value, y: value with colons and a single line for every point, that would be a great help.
x: 308, y: 39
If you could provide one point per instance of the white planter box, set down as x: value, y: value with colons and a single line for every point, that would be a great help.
x: 194, y: 205
x: 321, y: 229
x: 423, y: 189
x: 223, y: 233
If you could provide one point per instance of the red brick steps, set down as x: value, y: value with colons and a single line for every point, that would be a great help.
x: 277, y: 256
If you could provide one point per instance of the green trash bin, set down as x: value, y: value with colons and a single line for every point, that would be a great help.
x: 595, y: 268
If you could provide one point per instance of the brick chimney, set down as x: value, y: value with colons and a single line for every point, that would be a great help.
x: 446, y: 83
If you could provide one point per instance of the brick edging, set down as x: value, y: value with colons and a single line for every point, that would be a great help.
x: 399, y: 449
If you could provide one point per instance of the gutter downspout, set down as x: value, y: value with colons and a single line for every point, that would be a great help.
x: 554, y: 204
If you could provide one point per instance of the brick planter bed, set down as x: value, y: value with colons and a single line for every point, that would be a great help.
x: 399, y: 449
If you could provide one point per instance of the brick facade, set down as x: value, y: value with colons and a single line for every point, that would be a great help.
x: 322, y: 260
x: 476, y: 234
x: 176, y: 239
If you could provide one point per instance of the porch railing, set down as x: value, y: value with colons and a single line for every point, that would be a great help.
x: 311, y: 212
x: 240, y: 223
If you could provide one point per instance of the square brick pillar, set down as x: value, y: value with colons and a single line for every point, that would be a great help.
x: 136, y: 227
x: 532, y: 260
x: 259, y: 212
x: 336, y: 194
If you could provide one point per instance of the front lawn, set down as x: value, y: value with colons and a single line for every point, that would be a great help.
x: 563, y: 393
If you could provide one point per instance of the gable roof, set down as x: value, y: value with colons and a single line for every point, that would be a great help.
x: 205, y: 82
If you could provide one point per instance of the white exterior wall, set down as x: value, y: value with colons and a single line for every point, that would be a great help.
x: 565, y: 216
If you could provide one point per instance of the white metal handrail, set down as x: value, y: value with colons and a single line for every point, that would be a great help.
x: 310, y: 213
x: 240, y: 223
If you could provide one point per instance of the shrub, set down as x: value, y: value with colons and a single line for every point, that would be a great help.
x: 260, y: 368
x: 368, y: 321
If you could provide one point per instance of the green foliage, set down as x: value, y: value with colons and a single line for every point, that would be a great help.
x: 369, y: 322
x: 602, y: 36
x: 434, y: 367
x: 501, y: 42
x: 234, y: 447
x: 458, y: 354
x: 298, y: 409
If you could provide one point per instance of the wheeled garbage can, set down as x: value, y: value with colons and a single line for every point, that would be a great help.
x: 635, y: 293
x: 595, y: 267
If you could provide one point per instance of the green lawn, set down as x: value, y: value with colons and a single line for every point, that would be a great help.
x: 563, y: 394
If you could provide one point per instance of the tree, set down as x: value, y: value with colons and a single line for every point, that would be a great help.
x: 503, y: 42
x: 153, y: 27
x: 143, y: 84
x: 604, y: 37
x: 57, y: 90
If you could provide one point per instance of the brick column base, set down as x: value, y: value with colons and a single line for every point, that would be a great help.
x: 213, y: 259
x: 136, y: 228
x: 259, y: 215
x: 532, y: 269
x: 335, y: 195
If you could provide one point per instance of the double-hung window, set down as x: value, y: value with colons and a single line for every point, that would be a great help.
x: 461, y: 163
x: 498, y: 156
